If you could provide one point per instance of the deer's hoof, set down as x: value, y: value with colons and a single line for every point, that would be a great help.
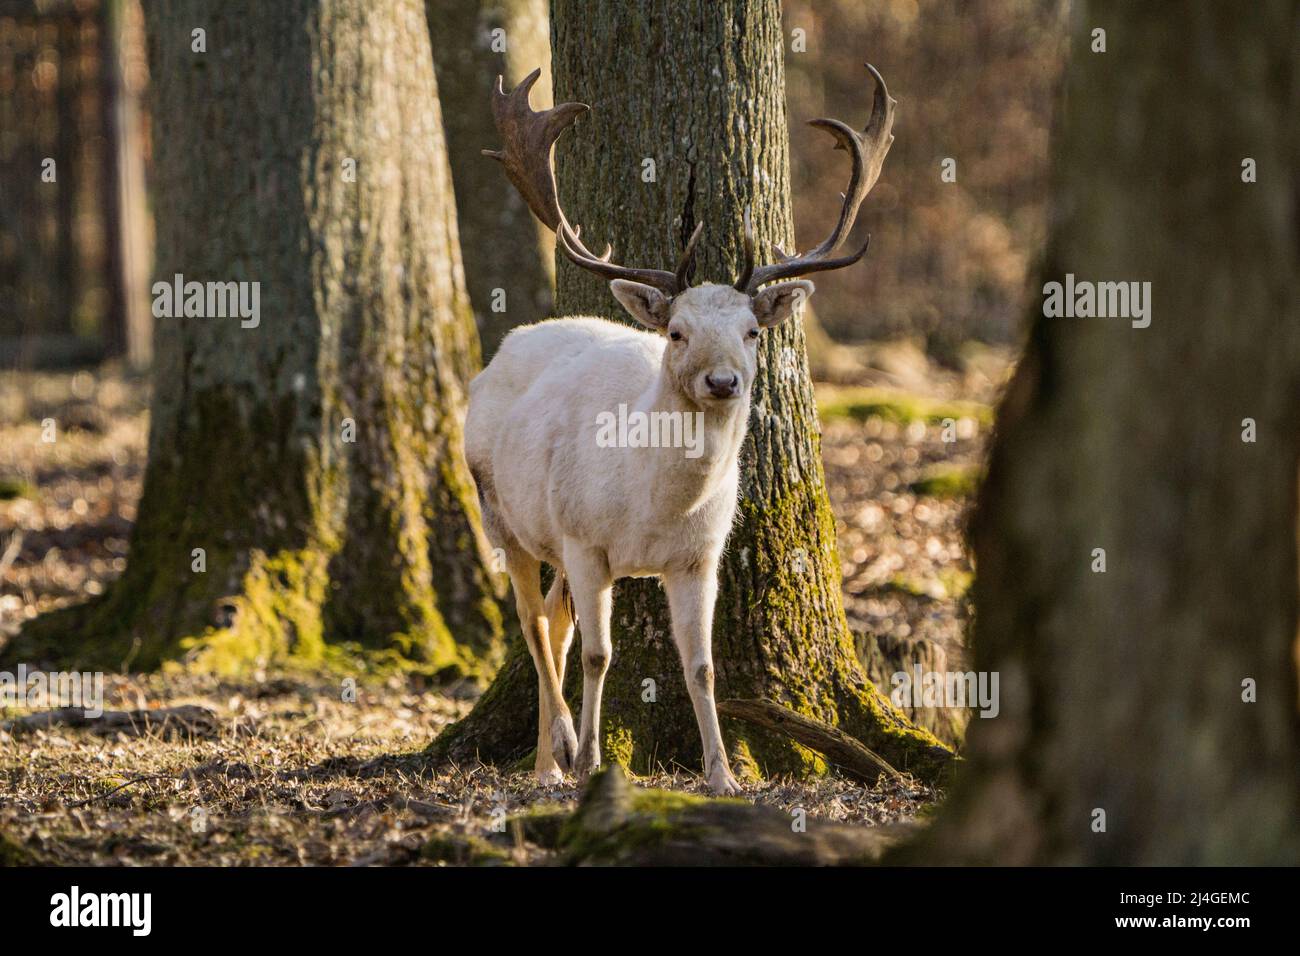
x: 723, y: 784
x: 552, y: 777
x: 564, y: 742
x: 588, y: 762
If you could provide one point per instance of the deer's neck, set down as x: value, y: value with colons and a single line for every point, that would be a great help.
x: 690, y: 471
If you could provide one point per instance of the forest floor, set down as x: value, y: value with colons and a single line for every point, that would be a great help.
x: 277, y: 769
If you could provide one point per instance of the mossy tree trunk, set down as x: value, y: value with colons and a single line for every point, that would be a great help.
x: 507, y: 253
x: 1126, y: 692
x: 697, y: 87
x: 315, y: 458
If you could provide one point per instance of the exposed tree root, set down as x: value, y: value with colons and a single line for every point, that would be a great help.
x: 840, y: 750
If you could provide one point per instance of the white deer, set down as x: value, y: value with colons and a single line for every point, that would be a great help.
x: 553, y: 488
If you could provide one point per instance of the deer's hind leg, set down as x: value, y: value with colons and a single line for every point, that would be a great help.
x: 557, y: 743
x: 560, y: 618
x: 552, y: 757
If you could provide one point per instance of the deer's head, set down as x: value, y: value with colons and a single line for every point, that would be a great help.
x: 712, y: 329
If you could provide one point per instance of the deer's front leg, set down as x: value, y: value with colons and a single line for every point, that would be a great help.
x: 593, y: 588
x: 690, y: 601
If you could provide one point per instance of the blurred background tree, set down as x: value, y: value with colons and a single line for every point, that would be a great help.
x: 74, y: 230
x: 1149, y: 703
x: 509, y: 268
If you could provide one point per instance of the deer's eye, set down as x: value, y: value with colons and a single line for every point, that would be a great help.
x: 675, y: 336
x: 753, y: 333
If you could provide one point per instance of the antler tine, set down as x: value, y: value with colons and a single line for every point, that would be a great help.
x: 867, y: 151
x: 742, y: 284
x: 687, y: 257
x: 528, y: 157
x: 665, y: 282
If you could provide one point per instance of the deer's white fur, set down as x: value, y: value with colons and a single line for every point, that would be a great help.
x: 550, y: 491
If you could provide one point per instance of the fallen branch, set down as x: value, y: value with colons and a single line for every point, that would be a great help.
x: 104, y: 796
x: 840, y: 750
x: 188, y: 718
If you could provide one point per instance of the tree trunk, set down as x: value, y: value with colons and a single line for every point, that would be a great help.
x: 507, y: 253
x: 127, y: 321
x: 698, y: 88
x: 1125, y: 691
x: 315, y: 457
x: 69, y: 265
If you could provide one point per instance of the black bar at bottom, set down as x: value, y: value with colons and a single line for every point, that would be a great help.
x: 333, y: 907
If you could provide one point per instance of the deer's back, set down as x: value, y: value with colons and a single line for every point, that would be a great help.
x: 551, y: 377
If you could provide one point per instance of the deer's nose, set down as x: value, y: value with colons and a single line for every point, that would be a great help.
x: 725, y: 385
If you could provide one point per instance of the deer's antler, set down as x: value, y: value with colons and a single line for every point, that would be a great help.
x: 867, y: 150
x: 528, y: 157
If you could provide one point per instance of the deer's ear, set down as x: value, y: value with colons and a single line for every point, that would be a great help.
x: 776, y: 303
x: 644, y: 303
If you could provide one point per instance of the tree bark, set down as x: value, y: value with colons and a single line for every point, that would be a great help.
x: 507, y: 253
x: 698, y: 88
x: 315, y: 545
x: 1123, y: 692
